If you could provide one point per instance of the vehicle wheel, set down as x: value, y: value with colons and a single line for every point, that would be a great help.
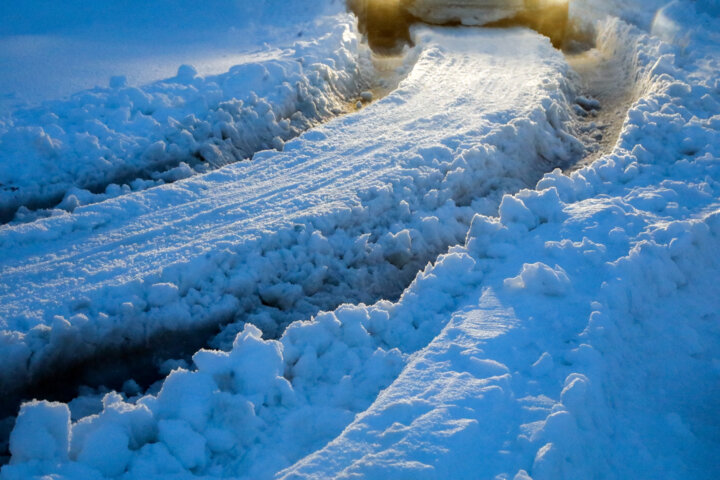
x: 385, y: 23
x: 553, y: 23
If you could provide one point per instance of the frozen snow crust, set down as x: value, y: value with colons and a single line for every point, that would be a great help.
x: 347, y: 212
x: 105, y: 142
x: 576, y: 335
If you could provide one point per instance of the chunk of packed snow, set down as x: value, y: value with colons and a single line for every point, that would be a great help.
x: 42, y: 432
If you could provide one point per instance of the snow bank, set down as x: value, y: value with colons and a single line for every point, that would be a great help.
x: 120, y: 138
x: 385, y: 208
x: 52, y: 50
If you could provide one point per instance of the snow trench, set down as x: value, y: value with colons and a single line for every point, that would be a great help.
x: 106, y: 142
x: 385, y: 208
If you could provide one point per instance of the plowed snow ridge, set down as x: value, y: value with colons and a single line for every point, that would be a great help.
x: 106, y: 142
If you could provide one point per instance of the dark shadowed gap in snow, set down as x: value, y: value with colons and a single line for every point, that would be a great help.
x: 143, y: 364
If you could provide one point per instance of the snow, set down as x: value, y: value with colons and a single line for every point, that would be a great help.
x: 102, y: 139
x: 52, y: 50
x: 135, y: 266
x: 611, y: 380
x: 565, y: 327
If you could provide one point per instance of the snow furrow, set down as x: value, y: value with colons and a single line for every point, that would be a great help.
x: 609, y: 88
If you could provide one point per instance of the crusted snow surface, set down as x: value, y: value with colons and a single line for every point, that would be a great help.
x: 50, y: 50
x: 347, y: 212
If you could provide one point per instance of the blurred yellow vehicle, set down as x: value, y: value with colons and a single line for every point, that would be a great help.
x: 386, y: 21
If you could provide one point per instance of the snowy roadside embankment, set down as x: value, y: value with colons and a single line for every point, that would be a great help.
x: 106, y: 142
x: 347, y: 212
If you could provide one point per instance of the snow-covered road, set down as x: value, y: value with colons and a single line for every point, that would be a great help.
x: 502, y: 321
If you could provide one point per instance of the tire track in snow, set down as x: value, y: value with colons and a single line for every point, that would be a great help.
x: 348, y: 212
x: 608, y: 90
x: 470, y: 404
